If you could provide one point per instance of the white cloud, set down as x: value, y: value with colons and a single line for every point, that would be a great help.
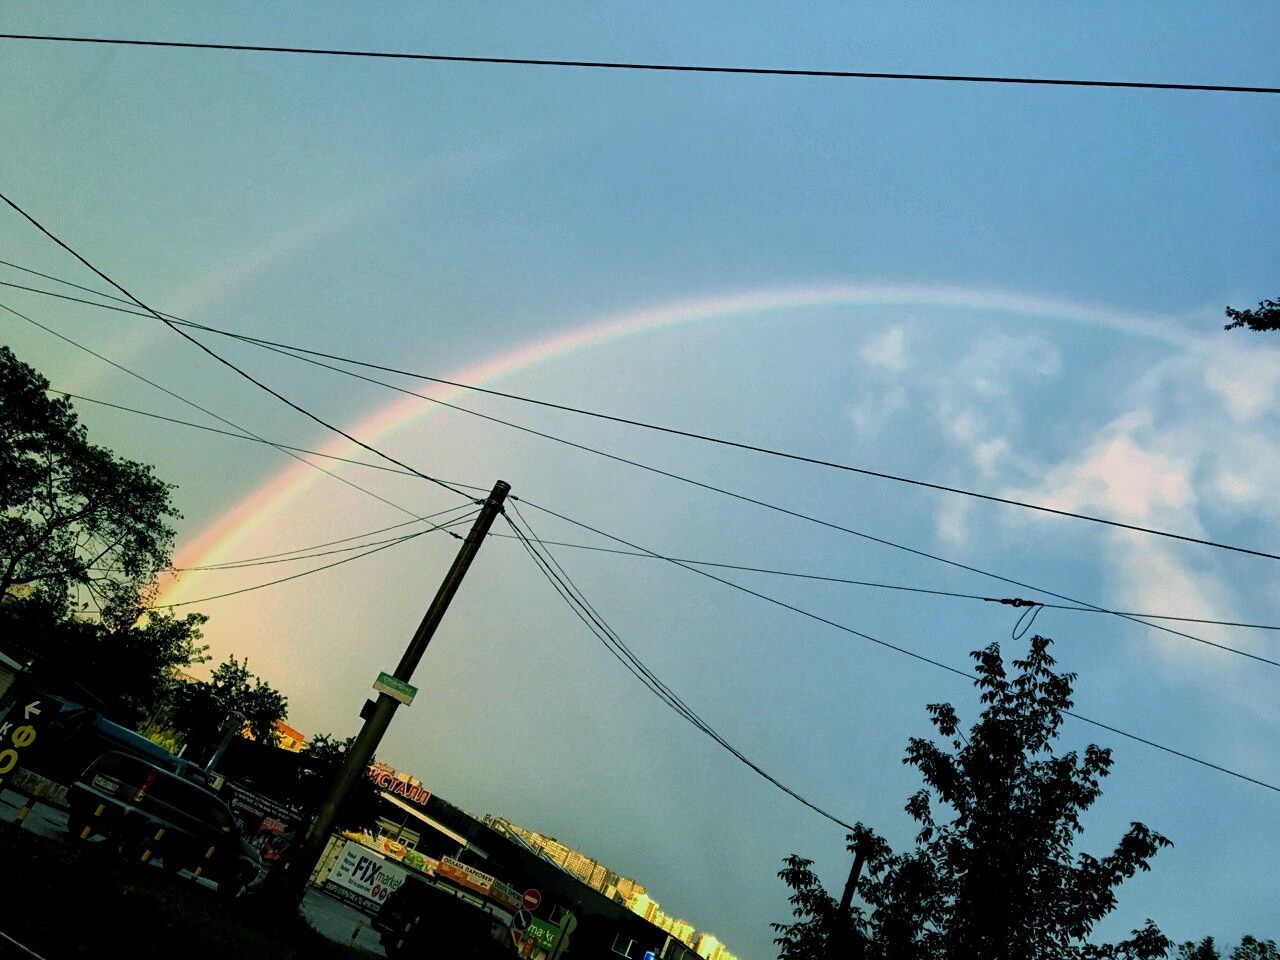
x: 887, y: 350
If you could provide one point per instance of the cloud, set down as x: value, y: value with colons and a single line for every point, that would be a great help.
x: 887, y: 350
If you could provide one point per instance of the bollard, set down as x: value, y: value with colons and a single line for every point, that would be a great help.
x: 27, y: 807
x: 208, y: 855
x: 407, y: 927
x: 351, y: 940
x: 146, y: 851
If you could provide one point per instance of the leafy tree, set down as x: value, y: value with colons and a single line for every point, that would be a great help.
x: 200, y: 709
x: 72, y: 515
x: 320, y: 763
x: 998, y: 877
x: 1266, y: 317
x: 1249, y: 948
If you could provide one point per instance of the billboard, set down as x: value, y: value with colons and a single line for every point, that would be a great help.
x: 362, y: 878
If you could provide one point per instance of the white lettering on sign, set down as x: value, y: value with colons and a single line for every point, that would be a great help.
x: 364, y: 874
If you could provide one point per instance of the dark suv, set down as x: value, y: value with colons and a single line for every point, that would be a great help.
x: 130, y: 800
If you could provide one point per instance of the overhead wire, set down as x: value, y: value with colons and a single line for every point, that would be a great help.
x: 1069, y: 607
x: 827, y: 578
x: 678, y: 432
x: 297, y: 576
x: 245, y: 434
x: 583, y: 609
x: 767, y: 505
x: 892, y: 646
x: 616, y: 65
x: 220, y: 359
x: 308, y: 356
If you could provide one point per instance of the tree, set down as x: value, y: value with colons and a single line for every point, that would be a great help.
x: 72, y: 515
x: 320, y: 763
x: 200, y: 708
x: 1266, y: 317
x: 998, y: 877
x: 1249, y: 948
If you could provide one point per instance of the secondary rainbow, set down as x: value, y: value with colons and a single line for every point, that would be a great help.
x: 257, y: 508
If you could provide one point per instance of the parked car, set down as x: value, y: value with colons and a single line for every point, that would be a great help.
x: 129, y: 799
x: 442, y: 922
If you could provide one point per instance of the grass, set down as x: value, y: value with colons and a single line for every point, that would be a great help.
x: 66, y: 902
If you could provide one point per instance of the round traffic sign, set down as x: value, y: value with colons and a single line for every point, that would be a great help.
x: 532, y: 897
x: 522, y: 920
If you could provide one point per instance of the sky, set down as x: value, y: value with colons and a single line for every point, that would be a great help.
x: 1015, y: 290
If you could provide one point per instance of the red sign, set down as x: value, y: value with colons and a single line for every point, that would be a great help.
x: 531, y: 899
x: 393, y: 784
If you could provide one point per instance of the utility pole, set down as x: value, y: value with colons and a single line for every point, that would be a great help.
x: 840, y: 937
x: 355, y: 762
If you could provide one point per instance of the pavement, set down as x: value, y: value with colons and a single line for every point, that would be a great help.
x: 333, y: 918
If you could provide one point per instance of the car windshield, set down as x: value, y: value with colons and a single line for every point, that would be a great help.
x: 185, y: 796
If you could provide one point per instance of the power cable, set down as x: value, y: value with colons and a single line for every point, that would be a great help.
x: 1074, y: 608
x: 311, y: 553
x: 302, y: 354
x: 678, y: 432
x: 826, y: 578
x: 246, y: 433
x: 891, y: 646
x: 222, y: 360
x: 648, y: 67
x: 296, y: 576
x: 765, y: 504
x: 587, y: 613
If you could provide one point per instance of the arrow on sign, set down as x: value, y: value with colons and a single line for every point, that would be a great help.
x: 30, y: 708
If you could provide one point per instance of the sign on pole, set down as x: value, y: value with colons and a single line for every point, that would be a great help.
x: 395, y: 688
x: 532, y: 897
x: 521, y: 920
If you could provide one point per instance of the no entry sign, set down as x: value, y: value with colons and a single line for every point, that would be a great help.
x: 531, y: 899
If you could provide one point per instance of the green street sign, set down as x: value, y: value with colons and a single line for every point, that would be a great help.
x: 544, y: 934
x: 392, y: 687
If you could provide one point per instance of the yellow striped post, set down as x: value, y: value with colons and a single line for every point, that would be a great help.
x: 208, y: 855
x: 27, y: 807
x: 146, y: 853
x: 351, y: 940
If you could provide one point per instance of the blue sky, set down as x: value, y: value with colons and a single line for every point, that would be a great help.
x: 436, y: 215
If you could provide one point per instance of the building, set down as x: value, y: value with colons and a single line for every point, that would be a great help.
x: 287, y: 738
x: 708, y: 947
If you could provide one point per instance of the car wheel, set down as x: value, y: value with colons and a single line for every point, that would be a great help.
x: 232, y: 886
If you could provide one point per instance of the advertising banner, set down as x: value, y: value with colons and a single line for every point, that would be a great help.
x: 268, y: 825
x: 465, y: 876
x: 363, y: 878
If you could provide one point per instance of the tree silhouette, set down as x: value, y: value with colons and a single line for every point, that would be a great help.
x: 998, y: 876
x: 1266, y: 317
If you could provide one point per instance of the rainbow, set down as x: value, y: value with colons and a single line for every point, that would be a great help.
x: 260, y: 506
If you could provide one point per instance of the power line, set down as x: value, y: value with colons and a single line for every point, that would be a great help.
x: 296, y: 576
x: 826, y: 578
x: 307, y: 356
x: 220, y: 359
x: 246, y: 434
x: 253, y: 439
x: 891, y: 646
x: 582, y: 608
x: 766, y: 504
x: 676, y: 431
x: 648, y: 67
x: 314, y: 551
x: 1074, y: 608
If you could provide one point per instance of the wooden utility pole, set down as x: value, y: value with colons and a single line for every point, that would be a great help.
x: 355, y: 762
x: 840, y: 937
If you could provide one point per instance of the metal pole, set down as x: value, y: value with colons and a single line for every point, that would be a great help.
x: 356, y: 760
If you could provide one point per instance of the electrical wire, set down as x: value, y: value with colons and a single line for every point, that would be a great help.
x: 303, y: 356
x: 296, y: 576
x: 891, y: 646
x: 582, y: 608
x: 220, y: 359
x: 246, y: 433
x: 767, y: 505
x: 676, y: 431
x: 826, y: 578
x: 270, y: 443
x: 647, y: 67
x: 311, y: 553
